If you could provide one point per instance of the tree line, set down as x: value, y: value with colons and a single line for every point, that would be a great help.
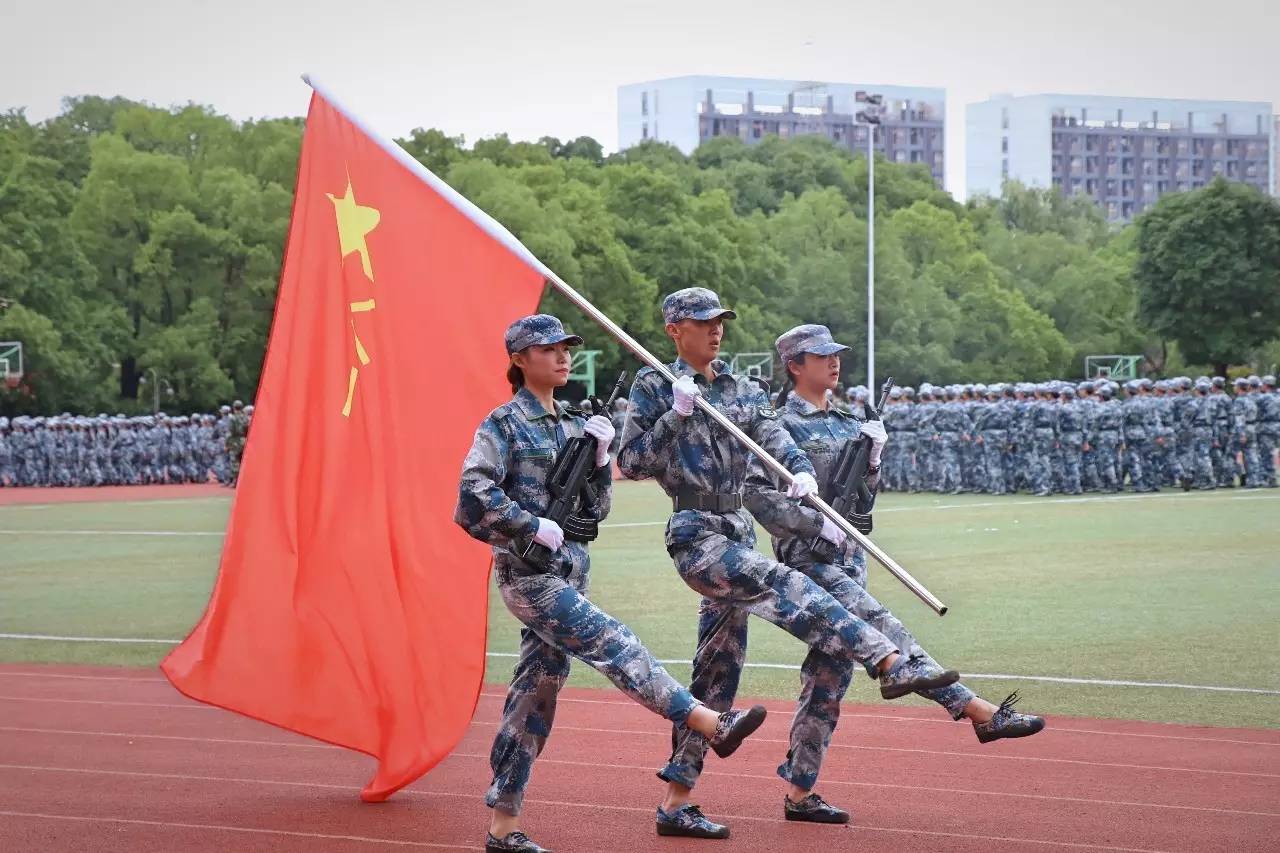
x: 141, y: 246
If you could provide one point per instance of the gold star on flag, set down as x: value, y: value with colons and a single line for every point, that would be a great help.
x: 354, y: 224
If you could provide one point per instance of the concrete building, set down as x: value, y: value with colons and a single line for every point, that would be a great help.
x: 1123, y: 152
x: 687, y: 111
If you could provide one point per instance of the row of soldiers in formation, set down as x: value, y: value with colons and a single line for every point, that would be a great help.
x: 1064, y: 438
x: 70, y: 450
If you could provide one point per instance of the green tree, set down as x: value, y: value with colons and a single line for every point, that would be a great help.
x: 1208, y: 271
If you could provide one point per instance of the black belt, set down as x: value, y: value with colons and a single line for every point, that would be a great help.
x: 706, y: 502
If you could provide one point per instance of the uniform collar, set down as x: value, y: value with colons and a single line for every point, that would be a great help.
x: 798, y: 405
x: 532, y: 409
x: 680, y: 367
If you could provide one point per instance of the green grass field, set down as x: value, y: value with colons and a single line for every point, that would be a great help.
x: 1172, y: 588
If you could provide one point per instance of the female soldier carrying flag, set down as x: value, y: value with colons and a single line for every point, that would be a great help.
x: 503, y: 500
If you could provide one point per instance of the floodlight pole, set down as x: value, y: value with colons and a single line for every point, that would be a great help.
x: 870, y: 116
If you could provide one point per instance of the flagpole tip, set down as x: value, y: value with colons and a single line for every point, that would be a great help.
x: 306, y: 78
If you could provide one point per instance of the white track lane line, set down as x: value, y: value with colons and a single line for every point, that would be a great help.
x: 755, y: 739
x: 561, y: 803
x: 1094, y: 682
x: 220, y: 827
x: 611, y: 766
x: 1055, y: 729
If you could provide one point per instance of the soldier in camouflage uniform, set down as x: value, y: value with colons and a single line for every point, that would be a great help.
x: 1223, y: 453
x: 8, y: 477
x: 1200, y: 409
x: 811, y: 359
x: 221, y: 458
x: 1071, y: 441
x: 1268, y: 403
x: 237, y: 433
x: 710, y: 538
x: 991, y: 427
x: 502, y: 500
x: 899, y: 418
x: 951, y: 426
x: 1044, y: 439
x: 1244, y: 418
x: 1087, y: 404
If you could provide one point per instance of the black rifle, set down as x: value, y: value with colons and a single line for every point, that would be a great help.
x: 570, y: 490
x: 846, y: 487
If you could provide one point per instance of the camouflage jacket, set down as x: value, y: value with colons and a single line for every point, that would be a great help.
x: 694, y: 453
x: 821, y: 434
x: 503, y: 490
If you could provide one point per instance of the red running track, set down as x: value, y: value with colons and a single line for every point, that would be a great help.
x: 96, y: 759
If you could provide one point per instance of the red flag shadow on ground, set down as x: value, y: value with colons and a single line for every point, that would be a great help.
x: 348, y: 606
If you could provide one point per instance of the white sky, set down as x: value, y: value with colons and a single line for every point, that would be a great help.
x: 533, y: 69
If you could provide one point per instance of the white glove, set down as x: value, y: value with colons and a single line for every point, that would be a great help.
x: 876, y: 432
x: 879, y: 437
x: 549, y: 534
x: 599, y: 428
x: 802, y: 485
x: 832, y: 533
x: 686, y: 393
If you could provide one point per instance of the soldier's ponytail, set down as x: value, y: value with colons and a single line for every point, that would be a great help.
x: 516, y: 377
x: 789, y: 385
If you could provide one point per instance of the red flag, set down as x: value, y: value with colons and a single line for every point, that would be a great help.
x: 349, y: 606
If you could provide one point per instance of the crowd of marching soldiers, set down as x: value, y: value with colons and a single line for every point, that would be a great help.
x: 71, y: 450
x: 1063, y: 438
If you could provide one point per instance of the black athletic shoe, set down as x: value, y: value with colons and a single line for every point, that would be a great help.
x: 688, y: 821
x: 735, y: 727
x: 512, y: 842
x: 813, y: 809
x: 1008, y: 723
x: 912, y: 674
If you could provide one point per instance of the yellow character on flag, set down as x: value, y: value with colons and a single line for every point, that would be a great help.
x: 354, y: 224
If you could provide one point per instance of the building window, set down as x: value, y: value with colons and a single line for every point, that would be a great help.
x: 1004, y: 145
x: 644, y: 103
x: 644, y: 130
x: 1004, y: 118
x: 1004, y: 167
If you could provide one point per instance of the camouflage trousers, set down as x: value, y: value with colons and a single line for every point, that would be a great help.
x: 950, y: 453
x: 973, y: 468
x: 1250, y: 459
x: 1223, y: 458
x: 560, y: 621
x: 909, y: 476
x: 1039, y: 465
x: 1199, y: 458
x: 1070, y: 455
x: 1137, y: 454
x: 1110, y: 466
x: 736, y: 581
x: 1165, y: 462
x: 722, y: 653
x: 993, y: 460
x: 1268, y: 442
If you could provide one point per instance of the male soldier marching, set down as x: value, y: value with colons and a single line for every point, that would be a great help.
x: 711, y: 538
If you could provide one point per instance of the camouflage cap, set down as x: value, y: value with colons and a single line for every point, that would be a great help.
x: 693, y: 303
x: 810, y: 338
x: 1269, y: 380
x: 537, y: 330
